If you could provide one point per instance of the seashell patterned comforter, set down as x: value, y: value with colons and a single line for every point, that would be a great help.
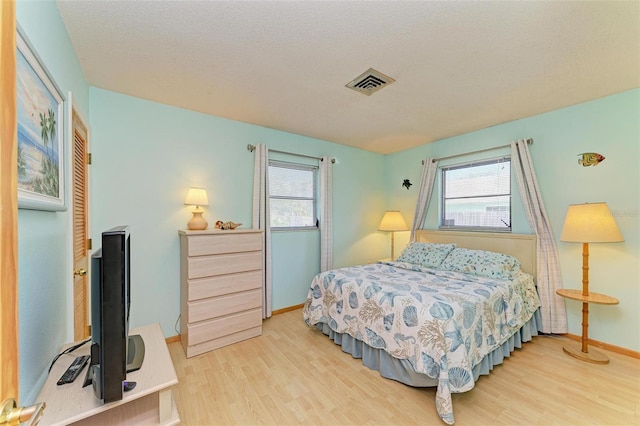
x: 442, y: 322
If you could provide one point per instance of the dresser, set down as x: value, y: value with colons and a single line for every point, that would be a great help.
x: 220, y: 288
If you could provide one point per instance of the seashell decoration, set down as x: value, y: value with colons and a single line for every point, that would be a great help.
x: 410, y: 316
x: 353, y: 300
x: 375, y: 341
x: 388, y: 321
x: 430, y: 365
x: 459, y: 377
x: 441, y: 311
x: 226, y: 225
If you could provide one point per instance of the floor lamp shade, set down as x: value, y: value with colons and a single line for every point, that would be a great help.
x: 393, y: 221
x: 588, y: 223
x: 197, y: 197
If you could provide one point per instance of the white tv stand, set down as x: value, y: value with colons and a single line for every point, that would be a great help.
x: 150, y: 402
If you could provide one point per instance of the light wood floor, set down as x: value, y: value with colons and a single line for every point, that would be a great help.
x: 293, y: 374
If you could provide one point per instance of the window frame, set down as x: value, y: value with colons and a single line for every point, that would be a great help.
x: 296, y: 166
x: 443, y: 197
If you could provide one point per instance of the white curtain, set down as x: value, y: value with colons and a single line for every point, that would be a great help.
x: 261, y: 220
x: 326, y: 215
x: 429, y: 169
x: 549, y: 279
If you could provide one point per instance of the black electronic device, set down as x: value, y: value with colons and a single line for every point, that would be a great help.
x: 74, y: 369
x: 127, y: 386
x: 110, y: 309
x: 135, y: 353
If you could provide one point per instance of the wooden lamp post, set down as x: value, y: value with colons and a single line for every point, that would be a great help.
x: 588, y: 223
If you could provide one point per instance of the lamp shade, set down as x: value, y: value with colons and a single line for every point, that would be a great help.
x: 196, y: 197
x: 393, y: 221
x: 590, y: 223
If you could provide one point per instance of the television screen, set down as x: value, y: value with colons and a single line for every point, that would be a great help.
x: 113, y: 354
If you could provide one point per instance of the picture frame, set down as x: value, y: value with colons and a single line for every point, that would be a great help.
x: 40, y: 122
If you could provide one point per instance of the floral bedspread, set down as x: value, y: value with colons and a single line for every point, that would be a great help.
x: 442, y: 322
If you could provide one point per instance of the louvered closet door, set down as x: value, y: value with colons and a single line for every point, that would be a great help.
x: 80, y: 220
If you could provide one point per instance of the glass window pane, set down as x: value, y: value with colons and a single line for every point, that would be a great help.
x: 292, y: 189
x: 494, y: 212
x: 477, y: 195
x: 290, y: 182
x: 292, y: 213
x: 488, y: 179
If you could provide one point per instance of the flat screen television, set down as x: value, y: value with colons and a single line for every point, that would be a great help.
x: 113, y: 351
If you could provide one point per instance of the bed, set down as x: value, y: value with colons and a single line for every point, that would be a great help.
x: 452, y: 306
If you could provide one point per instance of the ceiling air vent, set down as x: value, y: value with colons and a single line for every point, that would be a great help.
x: 370, y: 82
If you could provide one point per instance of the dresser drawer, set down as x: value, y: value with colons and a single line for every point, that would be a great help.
x: 202, y: 288
x: 206, y: 266
x: 224, y: 305
x: 218, y: 327
x: 202, y: 245
x: 229, y: 339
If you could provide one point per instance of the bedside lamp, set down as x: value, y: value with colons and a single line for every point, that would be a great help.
x: 393, y: 221
x: 588, y: 223
x: 197, y: 197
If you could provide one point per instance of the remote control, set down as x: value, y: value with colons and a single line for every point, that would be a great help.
x: 74, y: 369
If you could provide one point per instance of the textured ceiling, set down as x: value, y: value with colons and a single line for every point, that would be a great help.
x: 458, y: 66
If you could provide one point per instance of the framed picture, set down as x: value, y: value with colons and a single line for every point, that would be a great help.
x: 40, y: 133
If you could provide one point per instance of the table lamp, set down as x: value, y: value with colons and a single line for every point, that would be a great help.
x: 393, y: 221
x: 588, y: 223
x: 197, y: 197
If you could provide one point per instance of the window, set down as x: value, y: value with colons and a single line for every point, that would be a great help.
x: 477, y: 196
x: 293, y: 195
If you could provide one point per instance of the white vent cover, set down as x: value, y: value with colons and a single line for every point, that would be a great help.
x: 370, y: 82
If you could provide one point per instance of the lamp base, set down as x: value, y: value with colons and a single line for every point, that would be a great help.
x: 392, y: 246
x: 575, y: 350
x: 197, y: 222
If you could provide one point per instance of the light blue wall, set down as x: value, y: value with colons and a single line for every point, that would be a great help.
x: 609, y: 126
x: 145, y: 157
x: 44, y: 273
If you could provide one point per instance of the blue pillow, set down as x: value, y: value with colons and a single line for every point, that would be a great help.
x: 482, y: 263
x: 429, y: 255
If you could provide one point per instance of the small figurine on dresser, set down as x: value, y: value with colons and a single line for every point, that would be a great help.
x: 226, y: 225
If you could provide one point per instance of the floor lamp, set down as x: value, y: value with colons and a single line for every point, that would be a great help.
x: 588, y: 223
x: 393, y: 221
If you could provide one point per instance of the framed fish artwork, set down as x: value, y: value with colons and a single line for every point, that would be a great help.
x: 590, y: 159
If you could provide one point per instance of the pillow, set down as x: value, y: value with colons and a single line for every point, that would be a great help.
x: 429, y: 255
x: 482, y: 263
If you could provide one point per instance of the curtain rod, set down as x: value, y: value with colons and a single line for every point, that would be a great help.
x: 252, y: 147
x: 529, y: 142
